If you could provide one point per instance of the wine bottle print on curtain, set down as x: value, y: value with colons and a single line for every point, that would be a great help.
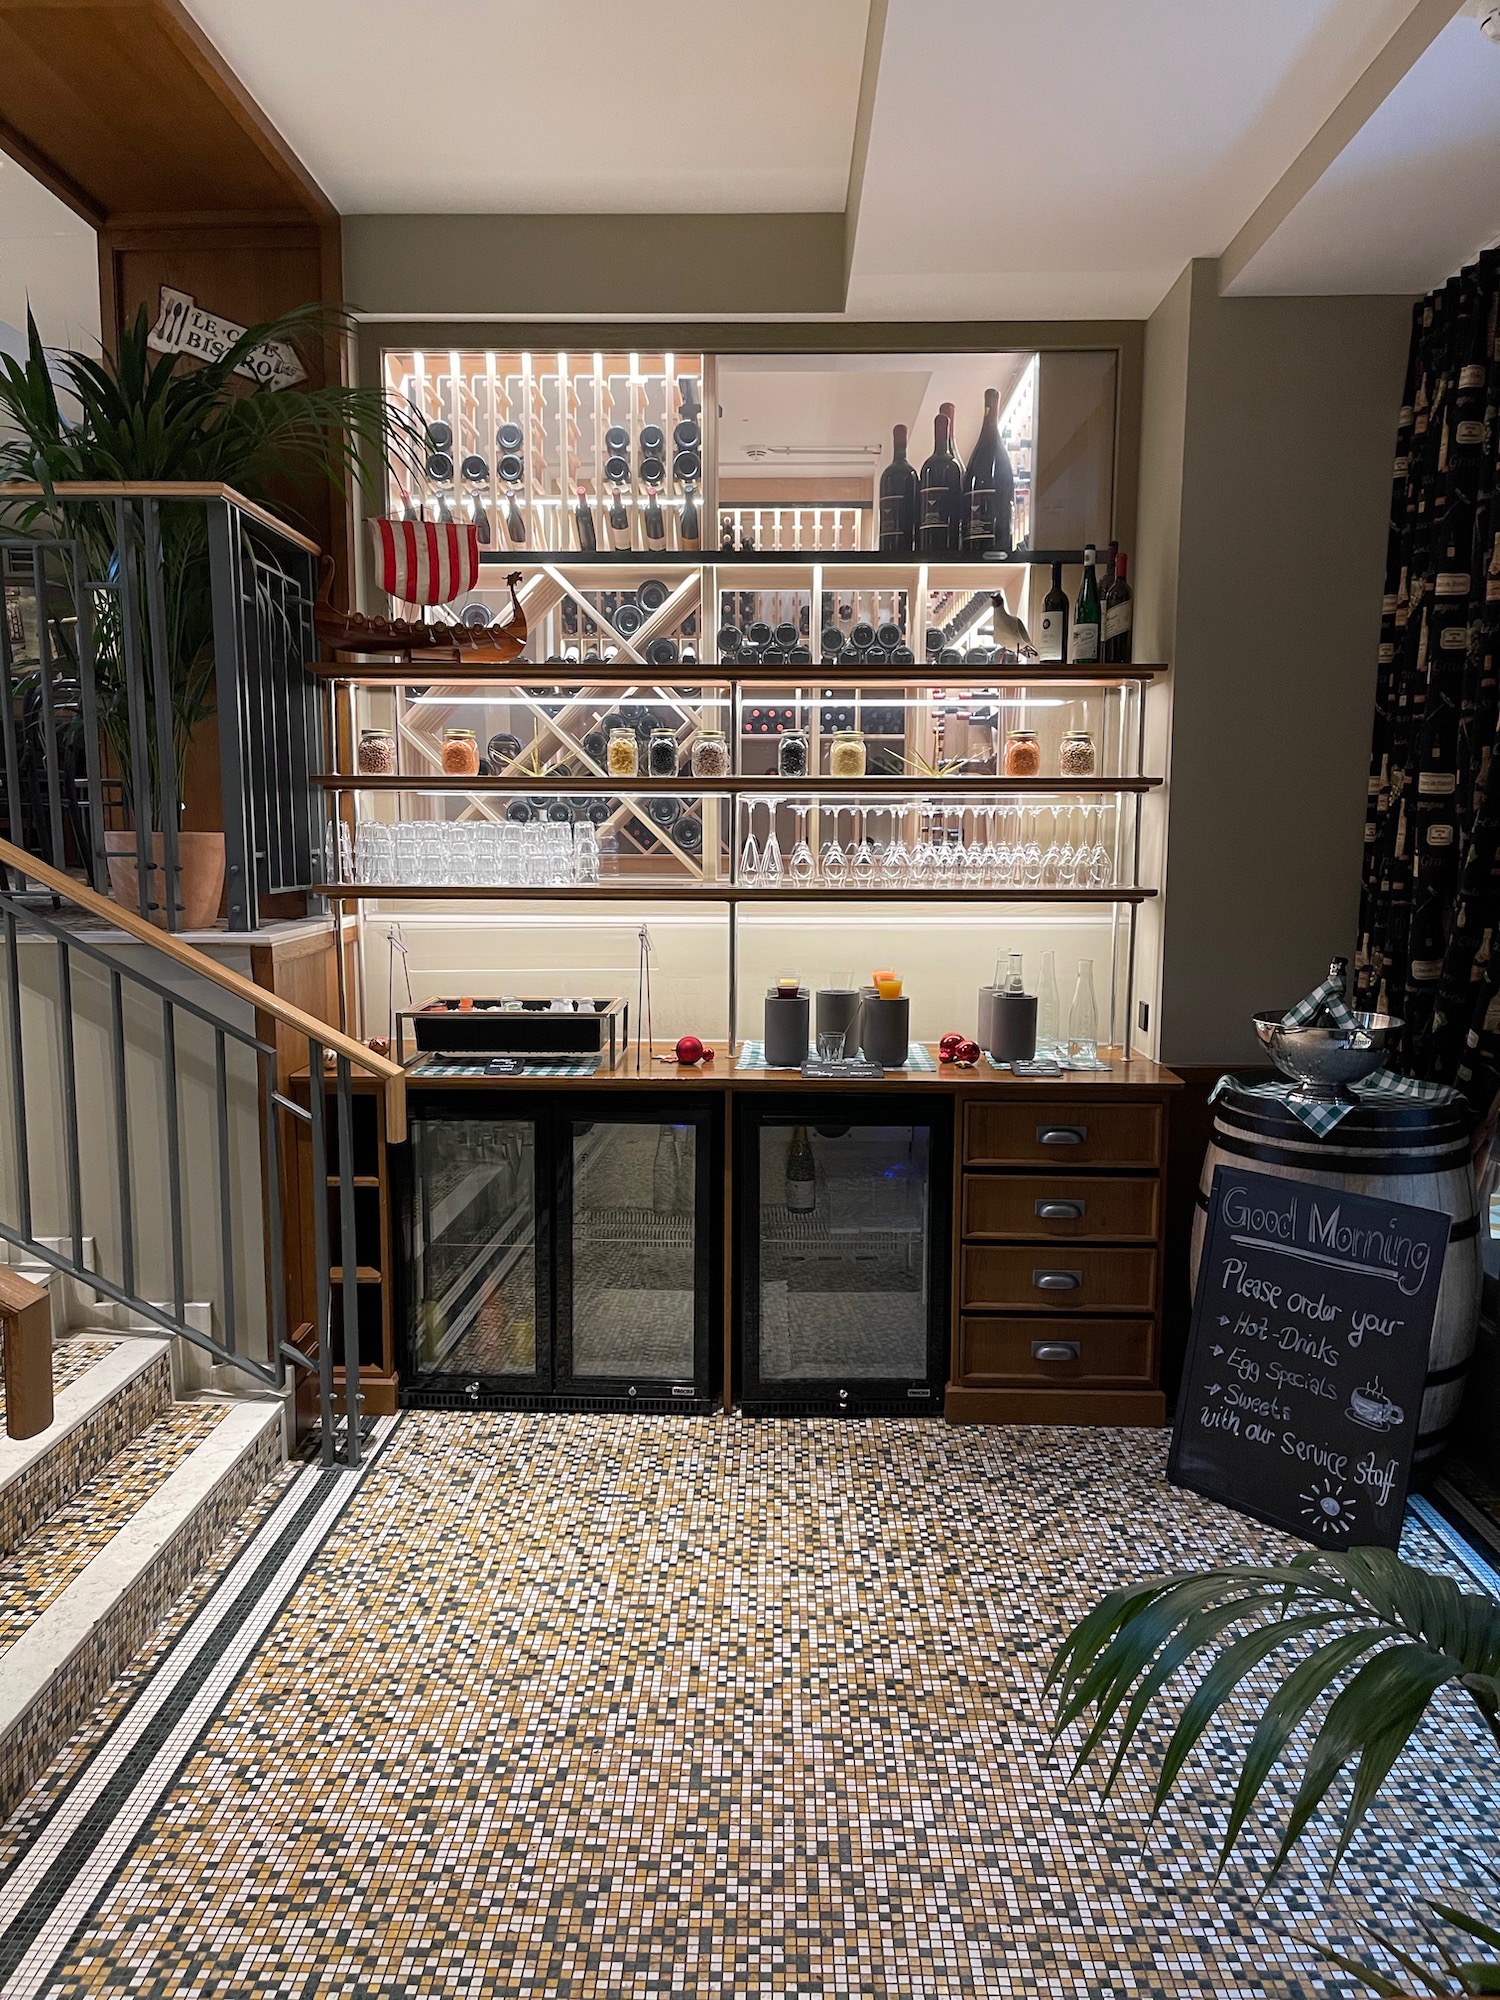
x: 1431, y: 885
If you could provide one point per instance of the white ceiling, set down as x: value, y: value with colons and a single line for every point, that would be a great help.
x: 1046, y: 158
x: 1415, y: 194
x: 556, y: 106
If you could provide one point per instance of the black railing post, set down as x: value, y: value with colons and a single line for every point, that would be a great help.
x: 227, y: 582
x: 17, y: 1071
x: 65, y: 1039
x: 50, y: 758
x: 226, y: 1204
x: 349, y: 1256
x: 130, y: 666
x: 169, y: 805
x: 275, y: 1244
x: 8, y: 744
x: 88, y: 708
x: 122, y: 1129
x: 318, y: 1113
x: 174, y: 1152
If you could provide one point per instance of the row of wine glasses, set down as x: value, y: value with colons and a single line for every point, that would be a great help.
x: 955, y: 847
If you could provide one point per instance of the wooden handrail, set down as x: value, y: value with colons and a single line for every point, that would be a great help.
x: 119, y: 918
x: 26, y: 1332
x: 151, y: 489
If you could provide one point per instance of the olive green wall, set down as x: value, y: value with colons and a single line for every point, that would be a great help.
x: 1267, y: 435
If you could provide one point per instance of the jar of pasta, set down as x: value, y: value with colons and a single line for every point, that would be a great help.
x: 846, y: 757
x: 1077, y: 757
x: 1023, y: 754
x: 460, y: 753
x: 710, y: 754
x: 377, y: 753
x: 624, y: 757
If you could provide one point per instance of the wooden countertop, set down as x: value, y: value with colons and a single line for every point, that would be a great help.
x: 1137, y: 1073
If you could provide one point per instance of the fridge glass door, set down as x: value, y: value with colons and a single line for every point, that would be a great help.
x: 473, y: 1250
x: 844, y: 1253
x: 632, y: 1246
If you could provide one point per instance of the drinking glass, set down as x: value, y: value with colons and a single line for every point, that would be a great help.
x: 1031, y: 853
x: 432, y: 854
x: 510, y: 854
x: 895, y: 862
x: 585, y: 853
x: 408, y: 853
x: 862, y: 861
x: 831, y: 1046
x: 749, y: 871
x: 461, y: 855
x: 533, y: 854
x: 924, y: 854
x: 801, y: 867
x: 834, y: 861
x: 770, y: 854
x: 1101, y: 860
x: 994, y: 861
x: 1052, y: 857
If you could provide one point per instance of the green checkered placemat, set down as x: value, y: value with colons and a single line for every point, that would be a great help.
x: 571, y: 1066
x: 752, y: 1055
x: 1385, y: 1086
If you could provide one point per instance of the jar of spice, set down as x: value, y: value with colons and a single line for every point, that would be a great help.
x: 624, y: 753
x: 1023, y: 754
x: 1077, y: 757
x: 846, y: 758
x: 710, y: 754
x: 377, y: 753
x: 791, y: 754
x: 661, y: 754
x: 460, y: 753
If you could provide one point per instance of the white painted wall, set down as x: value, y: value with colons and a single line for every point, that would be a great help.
x: 49, y: 258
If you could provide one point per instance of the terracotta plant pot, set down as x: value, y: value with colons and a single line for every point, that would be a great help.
x: 200, y: 877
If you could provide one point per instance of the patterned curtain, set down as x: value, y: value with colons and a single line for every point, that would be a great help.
x: 1430, y: 907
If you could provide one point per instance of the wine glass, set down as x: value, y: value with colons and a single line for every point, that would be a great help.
x: 992, y: 858
x: 749, y: 869
x: 862, y: 861
x: 895, y: 862
x: 1101, y: 861
x: 1031, y: 853
x: 770, y: 854
x: 971, y: 862
x: 801, y: 866
x: 835, y: 862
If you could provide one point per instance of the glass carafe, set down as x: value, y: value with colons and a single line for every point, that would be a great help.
x: 1048, y: 1009
x: 1083, y: 1020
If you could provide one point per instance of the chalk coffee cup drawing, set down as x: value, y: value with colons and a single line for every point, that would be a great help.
x: 1373, y: 1408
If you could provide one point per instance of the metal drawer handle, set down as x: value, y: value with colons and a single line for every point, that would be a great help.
x: 1061, y: 1211
x: 1057, y: 1281
x: 1056, y: 1350
x: 1061, y: 1135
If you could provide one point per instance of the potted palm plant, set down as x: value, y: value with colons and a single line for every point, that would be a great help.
x: 1361, y: 1636
x: 139, y: 416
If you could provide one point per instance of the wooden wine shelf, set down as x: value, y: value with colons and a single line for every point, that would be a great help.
x: 539, y: 675
x: 713, y: 892
x: 932, y: 790
x: 519, y: 555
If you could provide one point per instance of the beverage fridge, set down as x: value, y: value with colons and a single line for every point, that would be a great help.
x: 556, y: 1259
x: 842, y: 1241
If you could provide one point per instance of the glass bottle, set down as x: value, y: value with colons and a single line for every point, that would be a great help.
x: 1048, y: 1010
x: 801, y: 1174
x: 900, y: 500
x: 1083, y: 644
x: 1083, y: 1020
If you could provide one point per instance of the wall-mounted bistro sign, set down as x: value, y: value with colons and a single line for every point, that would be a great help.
x: 183, y: 327
x: 1302, y: 1391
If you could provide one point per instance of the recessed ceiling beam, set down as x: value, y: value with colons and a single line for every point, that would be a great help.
x: 869, y: 79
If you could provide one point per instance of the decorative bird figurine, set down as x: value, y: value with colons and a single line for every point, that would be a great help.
x: 1012, y: 640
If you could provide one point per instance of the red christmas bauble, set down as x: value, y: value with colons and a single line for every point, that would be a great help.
x: 967, y: 1053
x: 948, y: 1044
x: 690, y: 1050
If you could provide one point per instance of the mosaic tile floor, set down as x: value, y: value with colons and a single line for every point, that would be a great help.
x: 68, y: 1540
x: 70, y: 1359
x: 586, y: 1706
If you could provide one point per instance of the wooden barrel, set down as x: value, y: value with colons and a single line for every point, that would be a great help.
x: 1396, y: 1151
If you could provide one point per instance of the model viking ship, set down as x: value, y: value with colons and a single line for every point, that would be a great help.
x: 423, y: 563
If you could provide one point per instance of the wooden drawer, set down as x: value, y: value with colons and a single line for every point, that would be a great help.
x: 1081, y: 1132
x: 1046, y: 1205
x: 1043, y: 1277
x: 1081, y: 1352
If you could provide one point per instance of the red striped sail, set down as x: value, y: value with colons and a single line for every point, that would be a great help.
x: 423, y: 562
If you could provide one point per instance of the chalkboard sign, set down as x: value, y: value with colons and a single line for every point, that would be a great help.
x: 1303, y: 1386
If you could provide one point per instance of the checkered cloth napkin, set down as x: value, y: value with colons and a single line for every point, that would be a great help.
x: 1325, y: 999
x: 1383, y: 1087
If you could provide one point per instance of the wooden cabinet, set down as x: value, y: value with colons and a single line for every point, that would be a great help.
x: 1058, y: 1264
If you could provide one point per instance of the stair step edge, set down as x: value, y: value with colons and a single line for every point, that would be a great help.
x: 81, y: 1399
x: 44, y: 1649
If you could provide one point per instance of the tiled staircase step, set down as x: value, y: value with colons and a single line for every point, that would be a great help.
x: 106, y: 1392
x: 62, y: 1546
x: 58, y: 1668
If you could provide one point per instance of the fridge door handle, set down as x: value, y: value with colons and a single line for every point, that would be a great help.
x: 1057, y: 1281
x: 1061, y: 1211
x: 1061, y: 1135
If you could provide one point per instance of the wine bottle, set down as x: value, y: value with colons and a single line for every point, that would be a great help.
x: 900, y: 499
x: 481, y: 519
x: 989, y: 493
x: 801, y: 1174
x: 1116, y: 635
x: 619, y: 521
x: 1086, y: 614
x: 583, y: 514
x: 1052, y: 636
x: 655, y: 526
x: 690, y: 528
x: 515, y: 523
x: 940, y: 486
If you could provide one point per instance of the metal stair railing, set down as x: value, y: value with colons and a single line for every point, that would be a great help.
x: 64, y: 948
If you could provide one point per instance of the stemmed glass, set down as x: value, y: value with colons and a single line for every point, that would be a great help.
x: 1052, y: 858
x: 835, y: 862
x: 971, y: 860
x: 862, y: 862
x: 923, y: 854
x: 896, y: 860
x: 1101, y: 862
x: 992, y: 858
x: 770, y: 854
x: 1031, y: 853
x: 801, y: 867
x: 750, y: 852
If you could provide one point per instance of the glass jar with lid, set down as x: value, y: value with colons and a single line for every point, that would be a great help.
x: 1077, y: 757
x: 624, y: 755
x: 1023, y: 754
x: 846, y: 757
x: 376, y: 756
x: 791, y: 754
x: 460, y: 753
x: 710, y: 754
x: 661, y: 754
